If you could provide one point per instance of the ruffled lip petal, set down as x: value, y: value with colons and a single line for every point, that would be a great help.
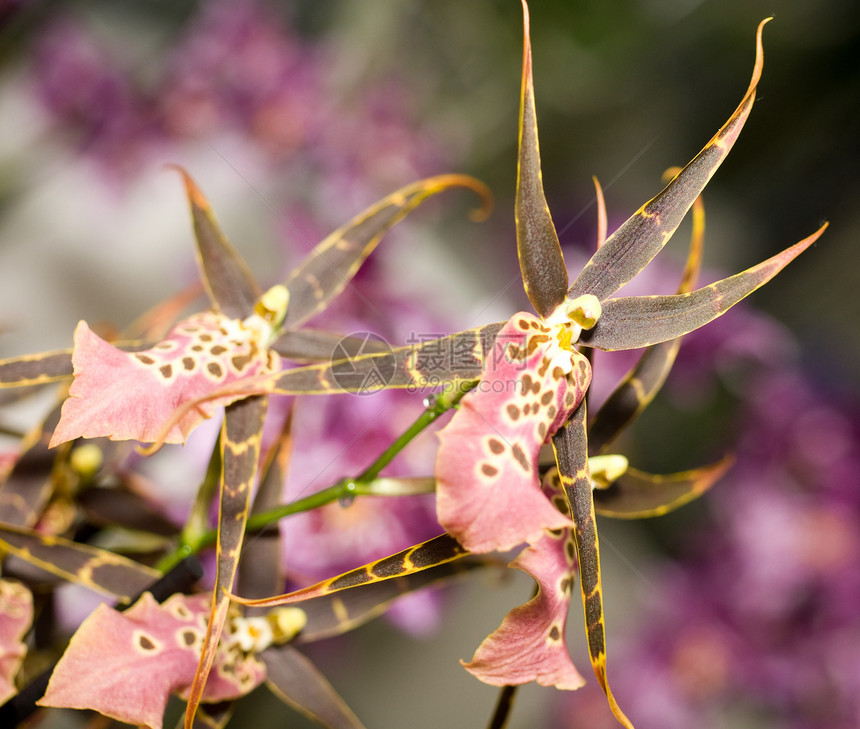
x: 130, y: 395
x: 529, y: 645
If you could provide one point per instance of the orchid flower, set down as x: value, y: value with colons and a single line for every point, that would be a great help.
x: 129, y: 392
x: 531, y: 377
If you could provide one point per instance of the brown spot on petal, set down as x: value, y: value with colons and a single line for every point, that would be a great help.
x: 557, y: 373
x: 146, y: 643
x: 218, y: 349
x: 542, y: 430
x: 513, y: 412
x: 521, y: 457
x: 554, y: 633
x: 205, y: 337
x: 496, y: 446
x: 240, y: 362
x: 146, y: 360
x: 523, y: 324
x: 166, y: 371
x: 546, y: 398
x: 489, y: 470
x: 188, y: 363
x: 215, y: 369
x: 188, y: 637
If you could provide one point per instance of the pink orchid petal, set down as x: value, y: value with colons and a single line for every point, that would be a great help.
x: 488, y: 490
x: 529, y: 644
x: 16, y: 615
x: 126, y: 665
x: 130, y: 395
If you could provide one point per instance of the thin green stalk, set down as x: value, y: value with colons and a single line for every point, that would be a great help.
x: 196, y: 537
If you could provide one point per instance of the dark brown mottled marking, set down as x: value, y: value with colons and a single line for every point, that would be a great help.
x: 527, y: 408
x: 496, y: 446
x: 570, y: 547
x: 569, y: 399
x: 164, y: 345
x: 433, y: 552
x: 513, y: 412
x: 546, y: 398
x: 523, y: 324
x: 527, y: 382
x: 535, y: 324
x: 217, y: 350
x: 557, y: 373
x: 521, y: 457
x: 197, y: 348
x: 554, y: 635
x: 145, y: 643
x: 166, y: 371
x: 188, y: 363
x: 551, y: 411
x: 489, y: 470
x: 544, y: 366
x: 207, y: 337
x: 390, y: 566
x: 542, y: 430
x: 146, y: 360
x: 536, y: 387
x: 350, y: 579
x: 189, y: 637
x: 515, y: 352
x: 215, y: 369
x: 596, y: 639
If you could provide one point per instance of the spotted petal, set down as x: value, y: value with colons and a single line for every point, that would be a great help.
x: 126, y: 665
x: 488, y: 491
x: 529, y: 644
x: 129, y: 396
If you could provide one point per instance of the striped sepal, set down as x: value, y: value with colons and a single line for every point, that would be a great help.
x: 639, y: 321
x: 570, y: 444
x: 630, y: 248
x: 97, y: 569
x: 541, y: 261
x: 226, y: 277
x: 433, y: 552
x: 240, y: 455
x: 639, y: 386
x: 329, y: 267
x: 639, y: 495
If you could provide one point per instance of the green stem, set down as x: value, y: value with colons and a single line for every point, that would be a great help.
x: 194, y: 538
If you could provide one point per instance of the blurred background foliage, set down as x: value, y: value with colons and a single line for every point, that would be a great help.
x: 321, y: 107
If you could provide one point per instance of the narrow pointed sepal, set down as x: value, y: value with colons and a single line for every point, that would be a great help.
x: 571, y: 448
x: 541, y: 260
x: 226, y: 276
x: 241, y: 434
x: 640, y: 495
x: 328, y: 269
x: 640, y: 321
x: 642, y: 236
